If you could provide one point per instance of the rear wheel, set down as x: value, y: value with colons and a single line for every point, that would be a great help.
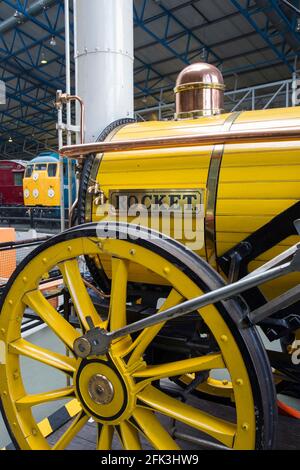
x: 127, y: 395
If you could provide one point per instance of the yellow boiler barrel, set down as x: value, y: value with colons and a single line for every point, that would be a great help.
x: 250, y: 191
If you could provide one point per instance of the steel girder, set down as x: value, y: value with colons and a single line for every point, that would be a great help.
x: 31, y: 87
x: 274, y: 40
x: 267, y: 32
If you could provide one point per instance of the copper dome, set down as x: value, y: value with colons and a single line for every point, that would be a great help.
x: 199, y: 91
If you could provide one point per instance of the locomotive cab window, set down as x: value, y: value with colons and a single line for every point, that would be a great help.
x: 52, y: 170
x: 41, y: 167
x: 18, y: 179
x: 29, y: 171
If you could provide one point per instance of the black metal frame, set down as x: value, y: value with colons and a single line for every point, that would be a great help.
x: 235, y: 264
x: 31, y: 216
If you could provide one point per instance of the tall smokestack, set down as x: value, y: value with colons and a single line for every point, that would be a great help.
x: 104, y: 56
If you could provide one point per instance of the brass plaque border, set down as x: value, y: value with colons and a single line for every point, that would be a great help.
x: 152, y: 191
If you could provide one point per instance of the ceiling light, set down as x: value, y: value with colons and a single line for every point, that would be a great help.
x: 204, y: 53
x: 44, y: 61
x: 10, y: 140
x: 19, y: 16
x: 53, y: 42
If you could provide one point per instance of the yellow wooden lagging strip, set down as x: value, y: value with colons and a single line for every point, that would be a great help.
x: 28, y: 401
x: 129, y: 437
x: 37, y: 302
x: 217, y: 428
x: 173, y: 369
x: 73, y: 430
x: 117, y: 312
x: 153, y: 430
x: 265, y: 174
x: 105, y: 437
x: 82, y: 302
x: 50, y: 358
x: 146, y: 337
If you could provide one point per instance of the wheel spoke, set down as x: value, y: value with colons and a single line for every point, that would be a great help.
x: 71, y: 432
x: 82, y: 302
x: 146, y: 337
x: 117, y: 311
x: 129, y: 436
x: 37, y: 302
x: 105, y: 437
x: 173, y: 369
x: 50, y: 358
x: 29, y: 401
x: 153, y: 430
x: 217, y: 428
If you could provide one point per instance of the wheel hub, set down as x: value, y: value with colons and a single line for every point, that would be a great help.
x: 101, y: 390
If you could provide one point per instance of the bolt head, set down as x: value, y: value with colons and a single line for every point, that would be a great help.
x: 16, y: 375
x: 82, y: 348
x: 101, y: 390
x: 224, y: 339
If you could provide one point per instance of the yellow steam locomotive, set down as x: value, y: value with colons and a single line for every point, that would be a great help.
x: 202, y: 207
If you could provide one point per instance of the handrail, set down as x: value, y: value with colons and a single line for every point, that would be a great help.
x: 211, y: 138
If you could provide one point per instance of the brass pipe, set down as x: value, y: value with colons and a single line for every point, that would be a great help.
x: 64, y: 98
x: 82, y: 116
x: 223, y: 138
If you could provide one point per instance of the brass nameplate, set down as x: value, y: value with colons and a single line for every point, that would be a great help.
x: 188, y: 199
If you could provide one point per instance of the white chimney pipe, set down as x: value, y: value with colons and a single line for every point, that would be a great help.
x: 104, y: 56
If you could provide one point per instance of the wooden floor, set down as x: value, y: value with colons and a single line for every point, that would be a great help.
x: 288, y: 432
x: 288, y: 438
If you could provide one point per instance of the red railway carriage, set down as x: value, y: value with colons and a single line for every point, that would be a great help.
x: 11, y: 183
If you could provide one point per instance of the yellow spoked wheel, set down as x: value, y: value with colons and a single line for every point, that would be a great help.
x: 125, y: 394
